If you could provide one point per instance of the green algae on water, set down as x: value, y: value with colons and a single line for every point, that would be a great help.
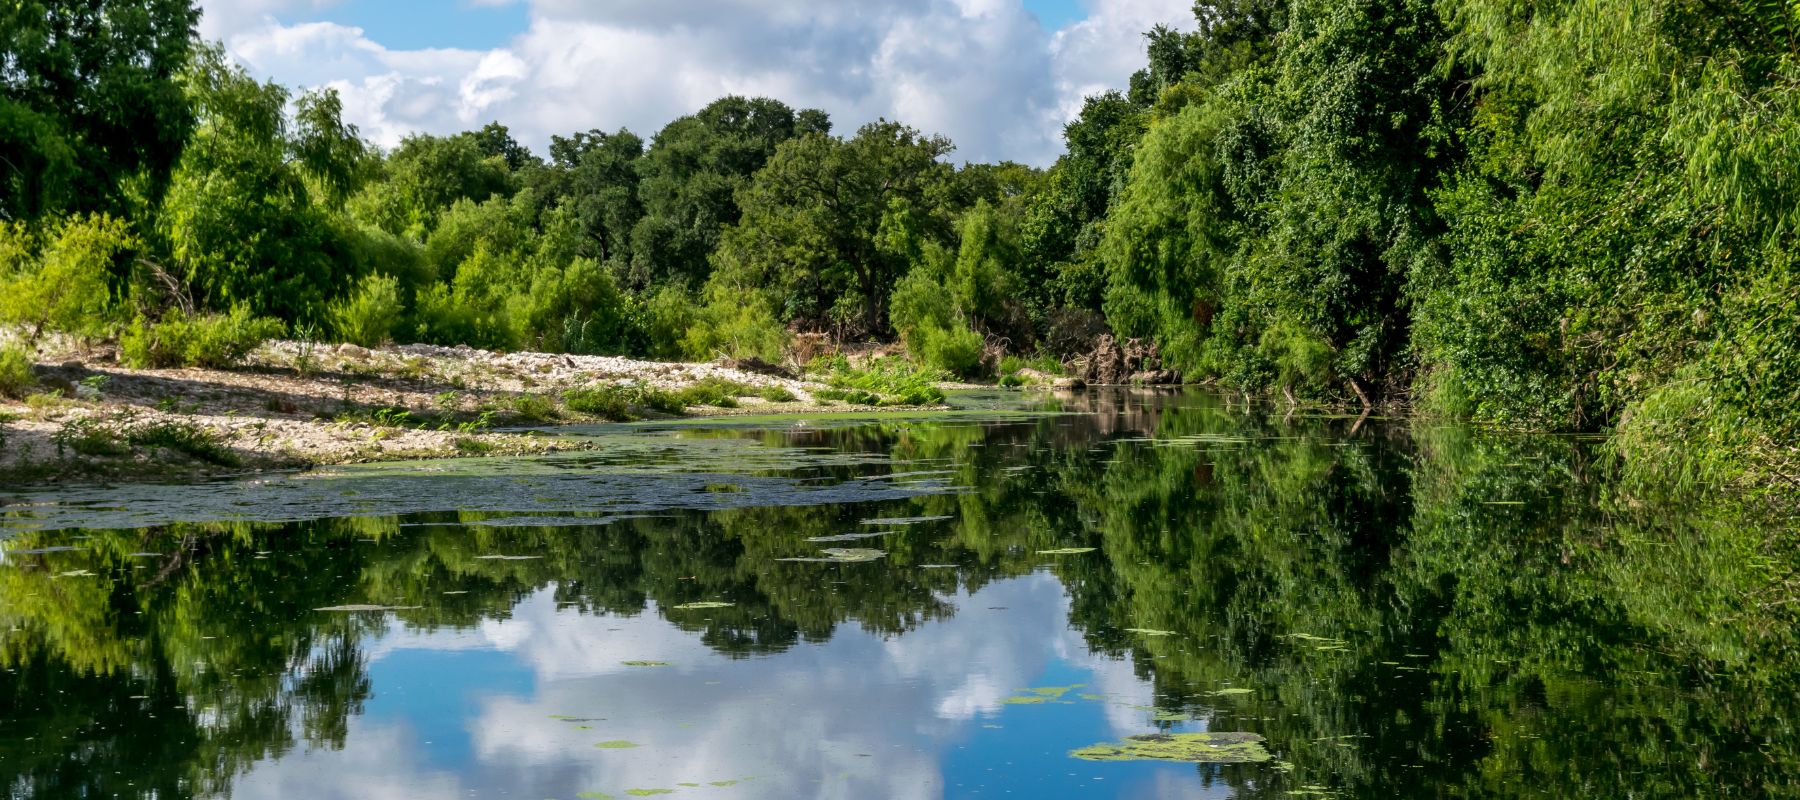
x: 647, y: 663
x: 1199, y: 748
x: 617, y: 744
x: 842, y: 555
x: 357, y: 608
x: 1066, y: 551
x: 1149, y: 632
x: 648, y: 792
x: 704, y: 604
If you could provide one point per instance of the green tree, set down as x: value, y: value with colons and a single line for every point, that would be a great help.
x: 813, y: 215
x: 92, y: 116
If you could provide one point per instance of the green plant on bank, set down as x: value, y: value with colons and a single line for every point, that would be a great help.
x: 306, y: 343
x: 209, y: 340
x: 886, y: 381
x: 1011, y: 366
x: 393, y: 417
x: 114, y: 435
x: 17, y: 379
x: 776, y: 394
x: 369, y: 315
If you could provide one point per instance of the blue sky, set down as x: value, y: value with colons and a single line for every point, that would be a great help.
x: 999, y: 77
x: 418, y: 24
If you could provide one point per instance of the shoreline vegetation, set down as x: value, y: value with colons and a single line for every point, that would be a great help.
x: 295, y: 405
x: 1563, y: 217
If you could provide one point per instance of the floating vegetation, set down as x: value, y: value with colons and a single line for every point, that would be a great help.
x: 648, y: 792
x: 594, y: 796
x: 842, y: 555
x: 1066, y: 551
x: 1149, y: 632
x: 704, y: 604
x: 1041, y: 694
x: 1233, y: 691
x: 903, y: 520
x: 1200, y: 748
x: 358, y: 607
x: 41, y: 551
x: 509, y: 558
x: 851, y: 537
x: 617, y: 744
x: 647, y: 663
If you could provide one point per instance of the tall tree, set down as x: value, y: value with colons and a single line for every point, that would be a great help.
x: 812, y: 219
x: 90, y: 111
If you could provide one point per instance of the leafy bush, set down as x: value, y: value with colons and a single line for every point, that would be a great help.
x: 956, y: 350
x: 183, y: 437
x: 737, y: 326
x: 16, y: 376
x: 90, y: 436
x: 67, y: 286
x: 776, y: 394
x: 533, y: 408
x: 880, y: 382
x: 716, y: 392
x: 606, y: 402
x: 370, y: 314
x: 212, y: 340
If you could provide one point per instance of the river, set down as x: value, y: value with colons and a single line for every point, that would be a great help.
x: 986, y: 602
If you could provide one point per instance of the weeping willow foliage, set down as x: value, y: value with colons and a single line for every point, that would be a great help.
x: 1563, y: 214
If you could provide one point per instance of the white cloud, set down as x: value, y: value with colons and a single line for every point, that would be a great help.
x: 983, y: 72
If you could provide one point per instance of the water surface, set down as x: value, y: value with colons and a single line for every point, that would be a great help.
x: 1399, y: 610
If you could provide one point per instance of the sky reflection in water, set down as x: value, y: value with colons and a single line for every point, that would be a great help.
x: 1400, y: 611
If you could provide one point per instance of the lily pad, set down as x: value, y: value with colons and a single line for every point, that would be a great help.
x: 850, y: 537
x: 1066, y: 551
x: 1199, y: 748
x: 647, y: 663
x: 359, y: 607
x: 617, y: 744
x: 704, y: 604
x: 842, y: 555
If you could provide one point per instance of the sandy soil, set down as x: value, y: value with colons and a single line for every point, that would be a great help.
x: 292, y: 405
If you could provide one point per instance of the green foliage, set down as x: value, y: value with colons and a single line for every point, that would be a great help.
x: 209, y: 341
x: 67, y: 284
x: 776, y: 394
x: 735, y: 326
x: 836, y: 268
x: 606, y: 402
x: 188, y: 438
x: 91, y: 116
x: 17, y: 379
x: 371, y: 314
x: 879, y: 382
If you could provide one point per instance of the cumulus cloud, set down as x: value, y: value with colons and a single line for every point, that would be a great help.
x: 983, y: 72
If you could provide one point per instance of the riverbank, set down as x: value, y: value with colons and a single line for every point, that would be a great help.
x: 294, y: 405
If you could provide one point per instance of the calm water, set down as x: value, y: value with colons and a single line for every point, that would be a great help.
x: 1400, y: 611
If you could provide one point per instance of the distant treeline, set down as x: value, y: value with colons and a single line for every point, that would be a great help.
x: 1567, y: 214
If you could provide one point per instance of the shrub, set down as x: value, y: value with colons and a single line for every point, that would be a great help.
x: 369, y: 315
x: 90, y: 436
x: 533, y: 408
x: 67, y: 286
x: 183, y: 437
x: 736, y: 326
x: 955, y: 350
x: 212, y: 340
x: 717, y: 392
x: 606, y: 402
x: 16, y: 376
x: 776, y: 394
x: 880, y: 382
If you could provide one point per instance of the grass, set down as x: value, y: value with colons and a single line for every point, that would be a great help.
x: 17, y: 379
x: 1011, y: 366
x: 776, y: 394
x: 878, y: 382
x: 114, y: 435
